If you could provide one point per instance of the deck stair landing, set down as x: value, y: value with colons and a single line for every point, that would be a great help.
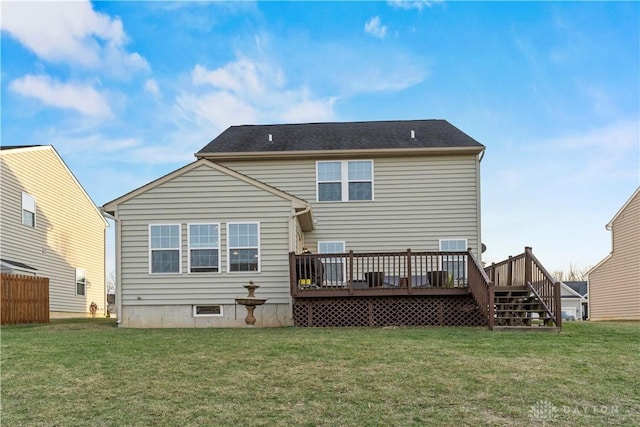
x: 516, y: 308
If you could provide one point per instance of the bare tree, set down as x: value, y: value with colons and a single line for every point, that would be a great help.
x: 111, y: 282
x: 574, y: 274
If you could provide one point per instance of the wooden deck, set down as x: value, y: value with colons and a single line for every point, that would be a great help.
x: 421, y: 288
x: 388, y: 288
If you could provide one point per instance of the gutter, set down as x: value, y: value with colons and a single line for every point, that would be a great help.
x: 328, y: 154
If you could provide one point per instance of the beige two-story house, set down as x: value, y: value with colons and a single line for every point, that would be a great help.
x: 188, y: 242
x: 614, y: 283
x: 50, y: 227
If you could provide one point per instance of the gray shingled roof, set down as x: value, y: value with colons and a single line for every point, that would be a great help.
x: 578, y: 286
x: 340, y: 136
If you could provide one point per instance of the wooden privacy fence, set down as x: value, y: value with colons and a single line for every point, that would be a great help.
x: 23, y: 299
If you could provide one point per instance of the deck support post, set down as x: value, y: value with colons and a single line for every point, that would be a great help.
x: 351, y: 272
x: 528, y: 264
x: 491, y: 309
x: 557, y: 310
x: 293, y: 281
x: 409, y: 270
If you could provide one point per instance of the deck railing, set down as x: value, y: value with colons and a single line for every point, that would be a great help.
x: 525, y: 270
x: 481, y: 288
x: 380, y: 272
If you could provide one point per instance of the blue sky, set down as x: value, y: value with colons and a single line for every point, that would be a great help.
x: 128, y: 91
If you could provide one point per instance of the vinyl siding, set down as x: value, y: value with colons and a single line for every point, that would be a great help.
x: 203, y: 195
x: 417, y: 201
x: 614, y: 285
x: 69, y: 232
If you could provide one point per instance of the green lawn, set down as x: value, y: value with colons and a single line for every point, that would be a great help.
x: 90, y: 373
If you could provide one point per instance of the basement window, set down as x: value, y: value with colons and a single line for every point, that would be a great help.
x: 207, y: 311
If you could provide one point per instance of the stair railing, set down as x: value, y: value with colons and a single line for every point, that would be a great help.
x: 544, y: 287
x: 481, y: 287
x: 525, y: 270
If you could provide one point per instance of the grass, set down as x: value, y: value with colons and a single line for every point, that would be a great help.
x: 89, y: 372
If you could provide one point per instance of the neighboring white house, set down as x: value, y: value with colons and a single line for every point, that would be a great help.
x: 614, y: 283
x: 574, y: 300
x: 49, y: 227
x: 187, y: 242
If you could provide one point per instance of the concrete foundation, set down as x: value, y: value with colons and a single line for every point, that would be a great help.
x: 181, y: 316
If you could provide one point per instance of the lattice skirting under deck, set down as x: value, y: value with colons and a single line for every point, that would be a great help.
x: 388, y: 311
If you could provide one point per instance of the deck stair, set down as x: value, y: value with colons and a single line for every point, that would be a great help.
x: 517, y: 308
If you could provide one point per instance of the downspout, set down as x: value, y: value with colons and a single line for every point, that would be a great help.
x: 118, y: 269
x: 292, y: 235
x: 479, y: 208
x: 292, y: 248
x: 105, y: 303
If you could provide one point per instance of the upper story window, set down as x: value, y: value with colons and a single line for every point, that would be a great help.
x: 204, y: 248
x: 81, y: 282
x: 244, y: 246
x: 344, y: 180
x: 164, y: 248
x: 28, y: 210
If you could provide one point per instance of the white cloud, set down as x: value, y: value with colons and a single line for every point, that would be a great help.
x: 151, y: 86
x: 374, y: 27
x: 611, y: 151
x: 618, y: 136
x: 247, y: 92
x: 71, y: 32
x: 413, y: 4
x: 74, y: 96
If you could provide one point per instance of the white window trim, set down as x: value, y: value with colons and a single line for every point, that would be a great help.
x: 344, y: 180
x: 22, y: 204
x: 195, y: 311
x: 85, y: 282
x: 189, y: 248
x: 179, y: 249
x: 228, y: 254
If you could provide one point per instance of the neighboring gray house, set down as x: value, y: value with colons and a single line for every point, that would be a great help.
x: 187, y: 242
x: 575, y: 299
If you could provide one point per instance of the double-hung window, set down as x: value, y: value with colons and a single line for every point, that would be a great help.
x: 164, y: 248
x: 344, y: 180
x: 28, y: 210
x: 244, y: 246
x: 204, y: 247
x: 81, y: 282
x: 455, y: 265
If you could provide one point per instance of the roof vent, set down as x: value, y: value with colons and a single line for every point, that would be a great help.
x: 413, y: 134
x: 270, y: 138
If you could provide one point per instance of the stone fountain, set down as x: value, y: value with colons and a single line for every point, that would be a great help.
x: 250, y: 302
